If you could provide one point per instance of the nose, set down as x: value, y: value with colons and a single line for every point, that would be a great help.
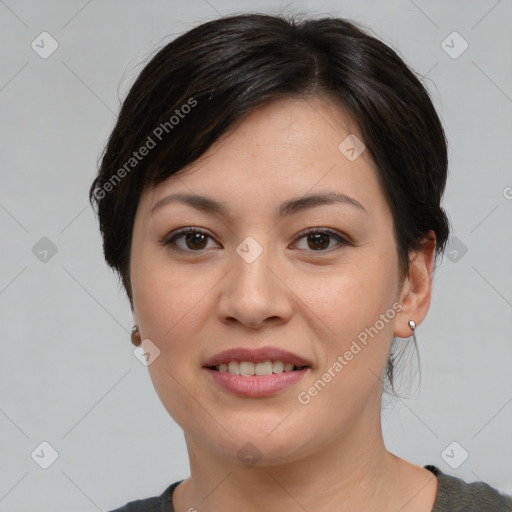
x: 255, y: 293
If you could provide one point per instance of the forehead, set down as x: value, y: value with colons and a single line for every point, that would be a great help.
x: 287, y: 128
x: 286, y: 148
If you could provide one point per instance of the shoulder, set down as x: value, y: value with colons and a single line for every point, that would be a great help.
x: 454, y: 494
x: 153, y: 504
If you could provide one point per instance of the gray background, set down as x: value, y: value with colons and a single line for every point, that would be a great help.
x: 68, y: 374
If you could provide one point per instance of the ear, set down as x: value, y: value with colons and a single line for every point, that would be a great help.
x: 417, y: 288
x: 135, y: 320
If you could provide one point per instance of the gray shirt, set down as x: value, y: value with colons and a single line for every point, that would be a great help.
x: 453, y: 495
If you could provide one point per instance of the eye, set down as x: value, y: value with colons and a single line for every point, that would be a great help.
x: 194, y: 240
x: 319, y: 239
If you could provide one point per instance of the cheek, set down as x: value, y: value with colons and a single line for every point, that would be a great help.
x: 351, y: 297
x: 356, y: 303
x: 168, y: 302
x: 357, y: 307
x: 170, y: 307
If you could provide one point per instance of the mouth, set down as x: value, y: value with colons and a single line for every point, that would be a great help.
x: 256, y: 372
x: 249, y: 361
x: 249, y: 384
x: 260, y: 369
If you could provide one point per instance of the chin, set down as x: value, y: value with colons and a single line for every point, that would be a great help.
x: 258, y: 441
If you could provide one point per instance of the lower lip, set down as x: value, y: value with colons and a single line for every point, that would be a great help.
x: 256, y: 386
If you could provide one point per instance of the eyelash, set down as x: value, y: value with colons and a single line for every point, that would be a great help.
x: 169, y: 240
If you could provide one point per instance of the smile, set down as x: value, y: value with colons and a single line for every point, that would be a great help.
x: 248, y: 368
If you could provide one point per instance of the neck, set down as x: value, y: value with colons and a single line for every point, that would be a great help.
x: 355, y: 472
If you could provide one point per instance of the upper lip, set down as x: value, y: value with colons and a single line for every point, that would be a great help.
x: 256, y: 355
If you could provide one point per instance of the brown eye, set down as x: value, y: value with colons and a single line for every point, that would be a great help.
x: 191, y: 240
x: 195, y: 240
x: 320, y: 240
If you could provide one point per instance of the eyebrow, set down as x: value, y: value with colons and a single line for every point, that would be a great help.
x: 208, y: 205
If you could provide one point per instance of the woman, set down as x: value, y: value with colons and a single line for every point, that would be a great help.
x: 270, y: 196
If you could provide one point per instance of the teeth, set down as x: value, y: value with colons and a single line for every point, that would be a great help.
x: 248, y: 369
x: 277, y: 367
x: 233, y: 368
x: 264, y: 368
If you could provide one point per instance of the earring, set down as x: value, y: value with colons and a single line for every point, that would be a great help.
x: 412, y: 324
x: 136, y: 335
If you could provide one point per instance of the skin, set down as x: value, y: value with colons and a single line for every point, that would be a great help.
x: 311, y: 299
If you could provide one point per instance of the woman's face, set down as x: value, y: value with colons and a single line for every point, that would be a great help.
x: 252, y: 278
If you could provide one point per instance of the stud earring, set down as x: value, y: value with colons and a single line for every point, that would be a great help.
x: 412, y: 325
x: 136, y: 336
